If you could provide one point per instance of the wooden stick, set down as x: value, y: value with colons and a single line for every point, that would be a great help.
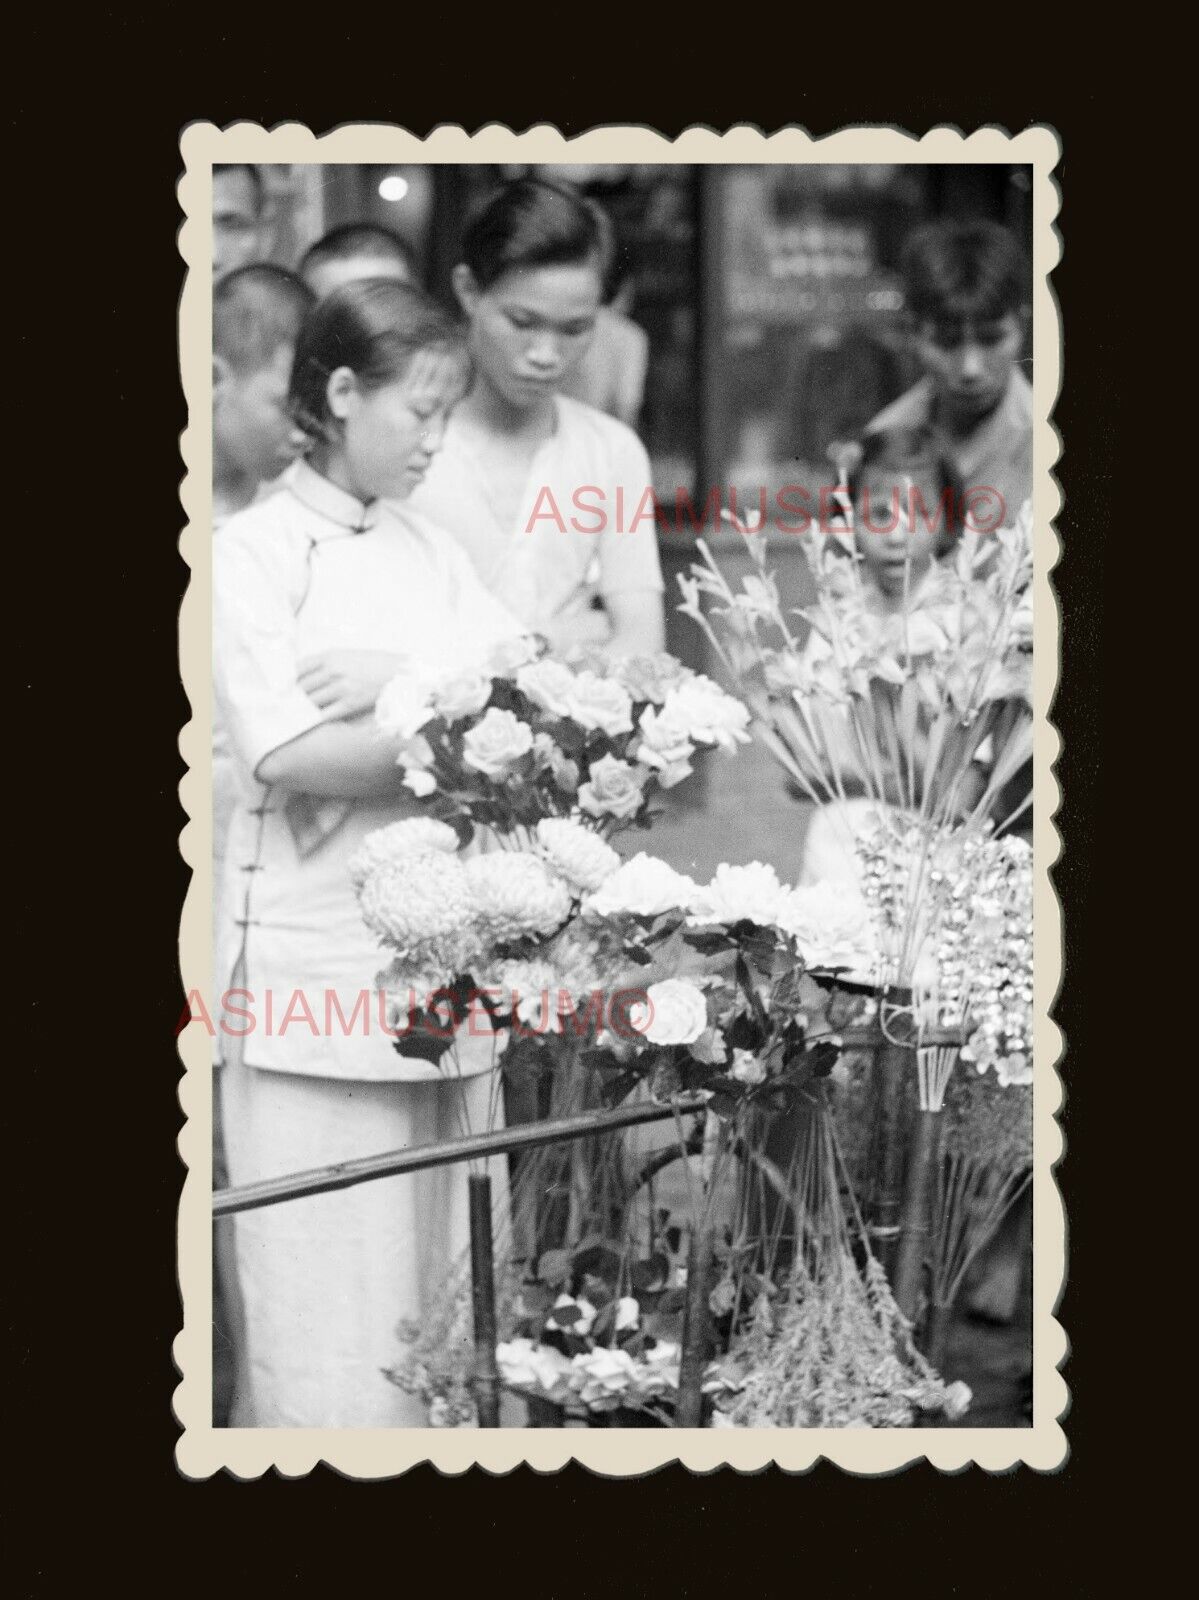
x: 914, y: 1225
x: 689, y: 1407
x: 344, y: 1174
x: 482, y: 1283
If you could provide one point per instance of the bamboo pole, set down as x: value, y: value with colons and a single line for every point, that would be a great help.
x: 345, y: 1174
x: 915, y: 1227
x: 891, y: 1064
x: 689, y: 1407
x: 482, y: 1281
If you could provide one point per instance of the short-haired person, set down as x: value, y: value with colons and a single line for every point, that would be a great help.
x: 238, y: 217
x: 257, y: 312
x: 357, y: 250
x: 967, y: 296
x: 551, y: 499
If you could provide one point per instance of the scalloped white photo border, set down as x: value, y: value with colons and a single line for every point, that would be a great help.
x: 203, y: 1450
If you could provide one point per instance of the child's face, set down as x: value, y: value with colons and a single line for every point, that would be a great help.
x: 393, y: 432
x: 970, y: 363
x: 899, y: 520
x: 531, y: 329
x: 252, y: 431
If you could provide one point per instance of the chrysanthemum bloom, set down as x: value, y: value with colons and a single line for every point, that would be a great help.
x: 750, y: 893
x: 645, y: 886
x: 516, y: 894
x: 421, y: 905
x: 831, y: 925
x: 398, y: 839
x: 578, y: 855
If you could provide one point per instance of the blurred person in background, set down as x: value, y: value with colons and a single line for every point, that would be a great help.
x: 358, y: 250
x: 582, y: 571
x: 238, y: 218
x: 968, y: 299
x: 256, y: 316
x: 257, y: 312
x: 611, y: 376
x: 967, y: 303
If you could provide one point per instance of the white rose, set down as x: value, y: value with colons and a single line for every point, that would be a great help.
x: 421, y: 783
x: 708, y: 714
x: 613, y: 789
x: 645, y: 886
x: 674, y: 1012
x: 461, y: 695
x: 403, y: 708
x: 750, y: 893
x: 601, y: 703
x: 577, y: 854
x: 664, y: 739
x: 510, y: 654
x: 496, y: 743
x: 548, y: 684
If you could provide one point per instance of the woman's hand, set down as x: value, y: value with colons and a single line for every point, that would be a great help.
x: 345, y: 683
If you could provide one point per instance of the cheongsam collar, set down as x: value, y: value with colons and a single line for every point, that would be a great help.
x: 333, y: 505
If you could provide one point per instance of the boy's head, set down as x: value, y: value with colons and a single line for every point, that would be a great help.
x: 360, y: 250
x: 967, y: 293
x: 256, y: 317
x: 238, y: 213
x: 907, y: 501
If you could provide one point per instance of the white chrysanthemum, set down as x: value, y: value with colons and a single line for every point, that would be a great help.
x: 749, y: 893
x: 417, y: 900
x: 398, y: 839
x: 832, y: 926
x: 517, y: 894
x: 644, y: 886
x: 578, y: 855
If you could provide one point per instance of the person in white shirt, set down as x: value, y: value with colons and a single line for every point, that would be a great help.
x: 322, y: 590
x: 551, y: 498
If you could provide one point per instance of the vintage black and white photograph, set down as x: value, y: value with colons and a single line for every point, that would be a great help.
x: 614, y: 1001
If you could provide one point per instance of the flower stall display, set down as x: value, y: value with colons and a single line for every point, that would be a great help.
x: 532, y: 738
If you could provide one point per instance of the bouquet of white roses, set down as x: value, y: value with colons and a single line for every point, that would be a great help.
x: 528, y: 737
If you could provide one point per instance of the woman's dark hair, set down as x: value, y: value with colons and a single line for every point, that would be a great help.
x: 964, y: 272
x: 916, y: 452
x: 533, y: 222
x: 374, y: 326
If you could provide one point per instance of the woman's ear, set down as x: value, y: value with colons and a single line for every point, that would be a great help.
x: 341, y: 393
x: 466, y: 289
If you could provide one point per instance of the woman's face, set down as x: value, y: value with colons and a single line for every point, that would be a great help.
x: 531, y: 328
x: 899, y: 520
x: 391, y: 433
